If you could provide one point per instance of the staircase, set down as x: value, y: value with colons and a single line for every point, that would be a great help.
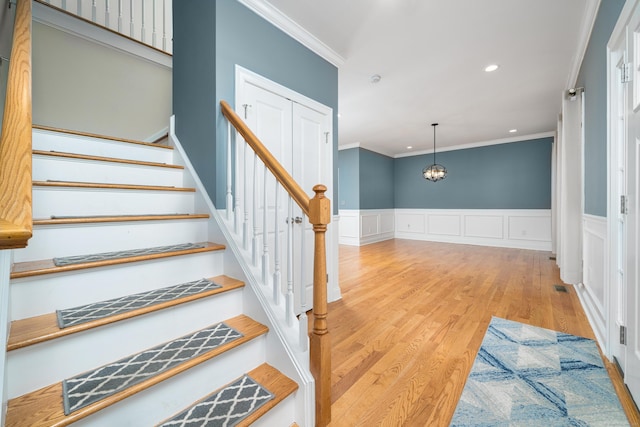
x: 127, y: 255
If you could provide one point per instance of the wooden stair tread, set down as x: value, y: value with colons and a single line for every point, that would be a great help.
x: 77, y: 184
x: 116, y: 218
x: 276, y: 382
x: 104, y: 159
x: 35, y: 268
x: 44, y: 407
x: 95, y: 135
x: 34, y: 330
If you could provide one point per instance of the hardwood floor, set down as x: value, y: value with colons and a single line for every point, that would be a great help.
x: 412, y: 317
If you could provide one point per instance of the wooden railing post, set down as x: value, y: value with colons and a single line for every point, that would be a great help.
x: 320, y: 358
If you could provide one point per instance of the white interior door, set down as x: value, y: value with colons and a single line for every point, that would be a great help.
x: 269, y: 117
x: 311, y: 166
x: 298, y: 137
x: 632, y: 273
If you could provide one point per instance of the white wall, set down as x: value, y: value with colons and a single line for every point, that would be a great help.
x: 86, y: 86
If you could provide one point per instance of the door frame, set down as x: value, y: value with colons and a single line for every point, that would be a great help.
x: 244, y: 76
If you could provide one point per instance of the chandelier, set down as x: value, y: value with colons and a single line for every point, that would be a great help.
x: 435, y: 172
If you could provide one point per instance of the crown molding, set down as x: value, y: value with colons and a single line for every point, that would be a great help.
x: 480, y: 144
x: 349, y: 146
x: 281, y: 21
x: 588, y: 21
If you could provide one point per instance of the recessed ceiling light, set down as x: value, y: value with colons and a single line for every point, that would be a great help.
x: 491, y: 68
x: 409, y: 147
x: 513, y: 130
x: 376, y: 78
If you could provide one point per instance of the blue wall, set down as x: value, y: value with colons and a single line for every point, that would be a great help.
x: 593, y: 77
x: 349, y: 178
x: 243, y: 38
x: 376, y: 181
x: 516, y: 175
x: 210, y: 38
x: 504, y: 176
x: 366, y: 179
x: 194, y: 90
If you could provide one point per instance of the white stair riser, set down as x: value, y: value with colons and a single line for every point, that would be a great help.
x: 283, y: 414
x: 33, y: 296
x: 47, y: 141
x: 49, y: 201
x: 67, y: 240
x: 164, y: 400
x: 69, y: 169
x: 36, y: 366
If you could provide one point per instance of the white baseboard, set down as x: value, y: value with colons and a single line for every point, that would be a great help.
x: 157, y: 135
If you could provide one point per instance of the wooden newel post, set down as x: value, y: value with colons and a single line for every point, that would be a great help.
x: 320, y: 344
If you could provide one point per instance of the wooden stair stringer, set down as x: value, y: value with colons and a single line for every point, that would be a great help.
x: 34, y: 330
x: 44, y: 407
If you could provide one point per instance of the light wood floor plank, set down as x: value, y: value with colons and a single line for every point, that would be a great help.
x: 413, y: 315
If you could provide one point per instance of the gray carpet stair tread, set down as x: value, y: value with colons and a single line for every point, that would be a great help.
x: 239, y: 403
x: 45, y: 407
x: 34, y: 268
x: 37, y: 329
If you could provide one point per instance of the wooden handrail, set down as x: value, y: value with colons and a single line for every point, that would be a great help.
x: 15, y: 144
x: 318, y: 209
x: 283, y: 177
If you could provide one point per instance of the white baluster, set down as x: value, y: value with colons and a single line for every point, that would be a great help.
x: 64, y: 5
x: 265, y: 240
x: 107, y: 12
x: 256, y: 201
x: 303, y: 321
x: 239, y: 177
x: 119, y: 16
x: 229, y: 171
x: 153, y: 30
x: 132, y: 25
x: 245, y: 224
x: 277, y: 277
x: 142, y: 29
x: 80, y: 8
x: 94, y: 10
x: 290, y: 315
x: 164, y: 25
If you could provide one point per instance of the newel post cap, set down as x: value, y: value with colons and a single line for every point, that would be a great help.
x: 320, y: 207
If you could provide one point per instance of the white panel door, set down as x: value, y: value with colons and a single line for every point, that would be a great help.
x: 269, y: 117
x: 311, y: 165
x: 632, y: 362
x: 299, y: 138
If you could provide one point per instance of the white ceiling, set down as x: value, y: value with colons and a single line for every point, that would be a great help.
x: 431, y: 55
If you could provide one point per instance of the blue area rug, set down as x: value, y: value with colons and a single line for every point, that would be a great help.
x: 529, y: 376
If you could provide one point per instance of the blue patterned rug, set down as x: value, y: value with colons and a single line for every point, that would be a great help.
x: 529, y: 376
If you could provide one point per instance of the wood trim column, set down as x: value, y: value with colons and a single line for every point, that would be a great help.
x: 15, y: 143
x: 320, y: 358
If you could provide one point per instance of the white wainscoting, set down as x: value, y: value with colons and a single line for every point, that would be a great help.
x: 361, y: 227
x: 593, y: 292
x: 511, y: 228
